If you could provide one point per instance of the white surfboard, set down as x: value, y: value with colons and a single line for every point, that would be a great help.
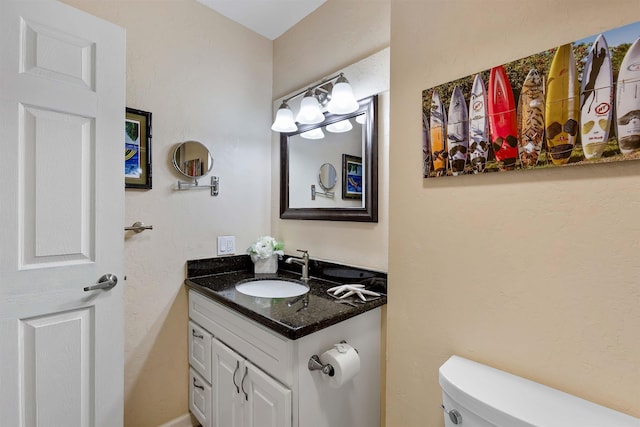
x: 478, y: 126
x: 457, y: 132
x: 596, y: 96
x: 628, y: 101
x: 426, y: 147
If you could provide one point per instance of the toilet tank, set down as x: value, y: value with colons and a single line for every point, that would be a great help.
x: 476, y: 395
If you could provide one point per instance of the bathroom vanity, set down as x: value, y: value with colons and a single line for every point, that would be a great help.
x: 249, y: 356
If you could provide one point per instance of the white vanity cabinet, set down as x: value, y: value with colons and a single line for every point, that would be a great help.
x: 227, y: 389
x: 245, y: 374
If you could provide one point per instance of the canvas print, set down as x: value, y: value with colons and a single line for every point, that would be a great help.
x: 574, y: 104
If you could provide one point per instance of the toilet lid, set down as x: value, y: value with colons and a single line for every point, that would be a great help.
x: 508, y: 400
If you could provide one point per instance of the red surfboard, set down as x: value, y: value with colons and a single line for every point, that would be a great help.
x: 503, y: 122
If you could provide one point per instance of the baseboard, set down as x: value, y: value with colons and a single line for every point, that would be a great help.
x: 182, y: 421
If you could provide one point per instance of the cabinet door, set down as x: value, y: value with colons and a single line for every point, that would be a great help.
x: 268, y: 403
x: 200, y: 398
x: 200, y: 350
x: 225, y: 381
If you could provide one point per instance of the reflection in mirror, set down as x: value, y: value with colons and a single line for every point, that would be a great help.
x: 192, y: 159
x: 351, y: 135
x: 327, y: 176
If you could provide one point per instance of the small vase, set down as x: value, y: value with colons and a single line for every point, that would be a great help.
x: 266, y: 265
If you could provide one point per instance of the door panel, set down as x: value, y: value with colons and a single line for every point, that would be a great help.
x: 57, y: 355
x: 61, y: 216
x: 56, y: 55
x: 53, y: 232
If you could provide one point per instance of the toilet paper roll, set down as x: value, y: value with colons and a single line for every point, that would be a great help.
x: 345, y: 362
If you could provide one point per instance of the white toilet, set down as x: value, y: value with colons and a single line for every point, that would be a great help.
x: 476, y: 395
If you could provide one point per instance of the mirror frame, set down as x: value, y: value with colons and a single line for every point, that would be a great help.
x: 367, y: 213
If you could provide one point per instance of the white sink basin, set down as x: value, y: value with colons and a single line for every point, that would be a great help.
x: 272, y: 288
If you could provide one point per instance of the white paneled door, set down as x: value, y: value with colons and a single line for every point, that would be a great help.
x: 62, y: 106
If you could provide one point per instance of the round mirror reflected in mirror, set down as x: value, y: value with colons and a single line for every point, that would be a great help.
x: 327, y: 176
x: 192, y: 159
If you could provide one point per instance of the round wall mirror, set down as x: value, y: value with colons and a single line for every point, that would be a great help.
x: 192, y: 159
x: 327, y: 176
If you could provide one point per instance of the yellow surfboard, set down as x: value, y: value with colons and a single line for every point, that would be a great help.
x: 562, y: 109
x: 438, y: 125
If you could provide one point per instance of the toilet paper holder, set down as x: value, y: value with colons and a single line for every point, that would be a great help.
x: 315, y: 364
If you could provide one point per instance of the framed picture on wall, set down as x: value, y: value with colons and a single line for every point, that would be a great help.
x: 137, y: 149
x: 351, y: 177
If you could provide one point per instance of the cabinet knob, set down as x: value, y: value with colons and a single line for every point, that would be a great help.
x: 197, y: 335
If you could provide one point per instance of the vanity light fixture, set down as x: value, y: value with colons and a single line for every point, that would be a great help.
x: 339, y: 97
x: 362, y: 118
x: 342, y: 99
x: 341, y: 126
x: 284, y: 119
x: 310, y: 112
x: 313, y: 134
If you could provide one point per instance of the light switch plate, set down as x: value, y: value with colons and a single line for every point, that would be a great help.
x: 226, y: 245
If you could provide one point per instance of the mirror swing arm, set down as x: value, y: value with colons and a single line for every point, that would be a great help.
x: 367, y: 213
x: 314, y: 193
x: 214, y: 186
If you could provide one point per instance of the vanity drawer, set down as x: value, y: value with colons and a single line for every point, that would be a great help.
x: 265, y: 348
x: 200, y: 398
x: 200, y: 350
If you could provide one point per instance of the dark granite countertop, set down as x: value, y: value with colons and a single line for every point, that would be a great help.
x: 291, y: 317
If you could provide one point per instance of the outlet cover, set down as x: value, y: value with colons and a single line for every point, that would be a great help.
x: 226, y: 245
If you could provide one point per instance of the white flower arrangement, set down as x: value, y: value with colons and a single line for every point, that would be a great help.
x: 265, y: 247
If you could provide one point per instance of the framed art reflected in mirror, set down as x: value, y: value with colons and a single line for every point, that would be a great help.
x: 351, y: 177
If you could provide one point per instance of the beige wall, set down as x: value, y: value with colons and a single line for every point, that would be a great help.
x: 338, y: 34
x: 532, y: 272
x: 204, y: 78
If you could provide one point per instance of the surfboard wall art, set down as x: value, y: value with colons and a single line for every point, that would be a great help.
x: 551, y: 109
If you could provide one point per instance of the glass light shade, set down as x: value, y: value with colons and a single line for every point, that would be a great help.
x: 284, y: 120
x: 310, y: 112
x: 342, y: 99
x: 341, y: 126
x: 313, y: 134
x: 362, y: 118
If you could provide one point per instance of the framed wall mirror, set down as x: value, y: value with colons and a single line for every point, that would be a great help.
x: 351, y: 136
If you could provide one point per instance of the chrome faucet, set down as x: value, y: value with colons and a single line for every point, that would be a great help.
x: 303, y: 261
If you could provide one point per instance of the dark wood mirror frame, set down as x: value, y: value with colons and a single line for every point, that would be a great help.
x: 367, y: 213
